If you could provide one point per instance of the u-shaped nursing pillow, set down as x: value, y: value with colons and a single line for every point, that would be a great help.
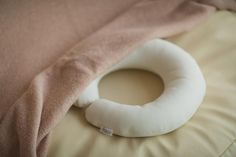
x: 184, y: 91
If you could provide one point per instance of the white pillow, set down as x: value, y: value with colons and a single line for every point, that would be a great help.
x: 184, y: 91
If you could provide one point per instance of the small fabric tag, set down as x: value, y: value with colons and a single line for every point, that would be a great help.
x: 106, y: 131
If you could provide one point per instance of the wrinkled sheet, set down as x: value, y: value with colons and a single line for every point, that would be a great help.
x: 210, y: 133
x: 51, y: 50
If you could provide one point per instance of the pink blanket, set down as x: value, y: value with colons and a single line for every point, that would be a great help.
x: 51, y: 50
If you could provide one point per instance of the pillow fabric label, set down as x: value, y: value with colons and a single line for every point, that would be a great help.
x: 106, y: 131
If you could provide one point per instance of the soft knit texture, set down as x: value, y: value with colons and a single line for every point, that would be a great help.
x: 76, y: 40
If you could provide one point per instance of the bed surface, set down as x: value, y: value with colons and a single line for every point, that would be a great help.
x: 210, y: 133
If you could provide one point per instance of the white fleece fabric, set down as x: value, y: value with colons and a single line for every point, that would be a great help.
x: 183, y: 93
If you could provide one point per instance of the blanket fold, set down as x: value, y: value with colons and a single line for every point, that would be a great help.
x: 29, y: 113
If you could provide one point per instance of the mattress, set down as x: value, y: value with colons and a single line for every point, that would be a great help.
x: 211, y: 132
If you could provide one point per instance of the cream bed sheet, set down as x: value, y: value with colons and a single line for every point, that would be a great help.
x: 210, y: 133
